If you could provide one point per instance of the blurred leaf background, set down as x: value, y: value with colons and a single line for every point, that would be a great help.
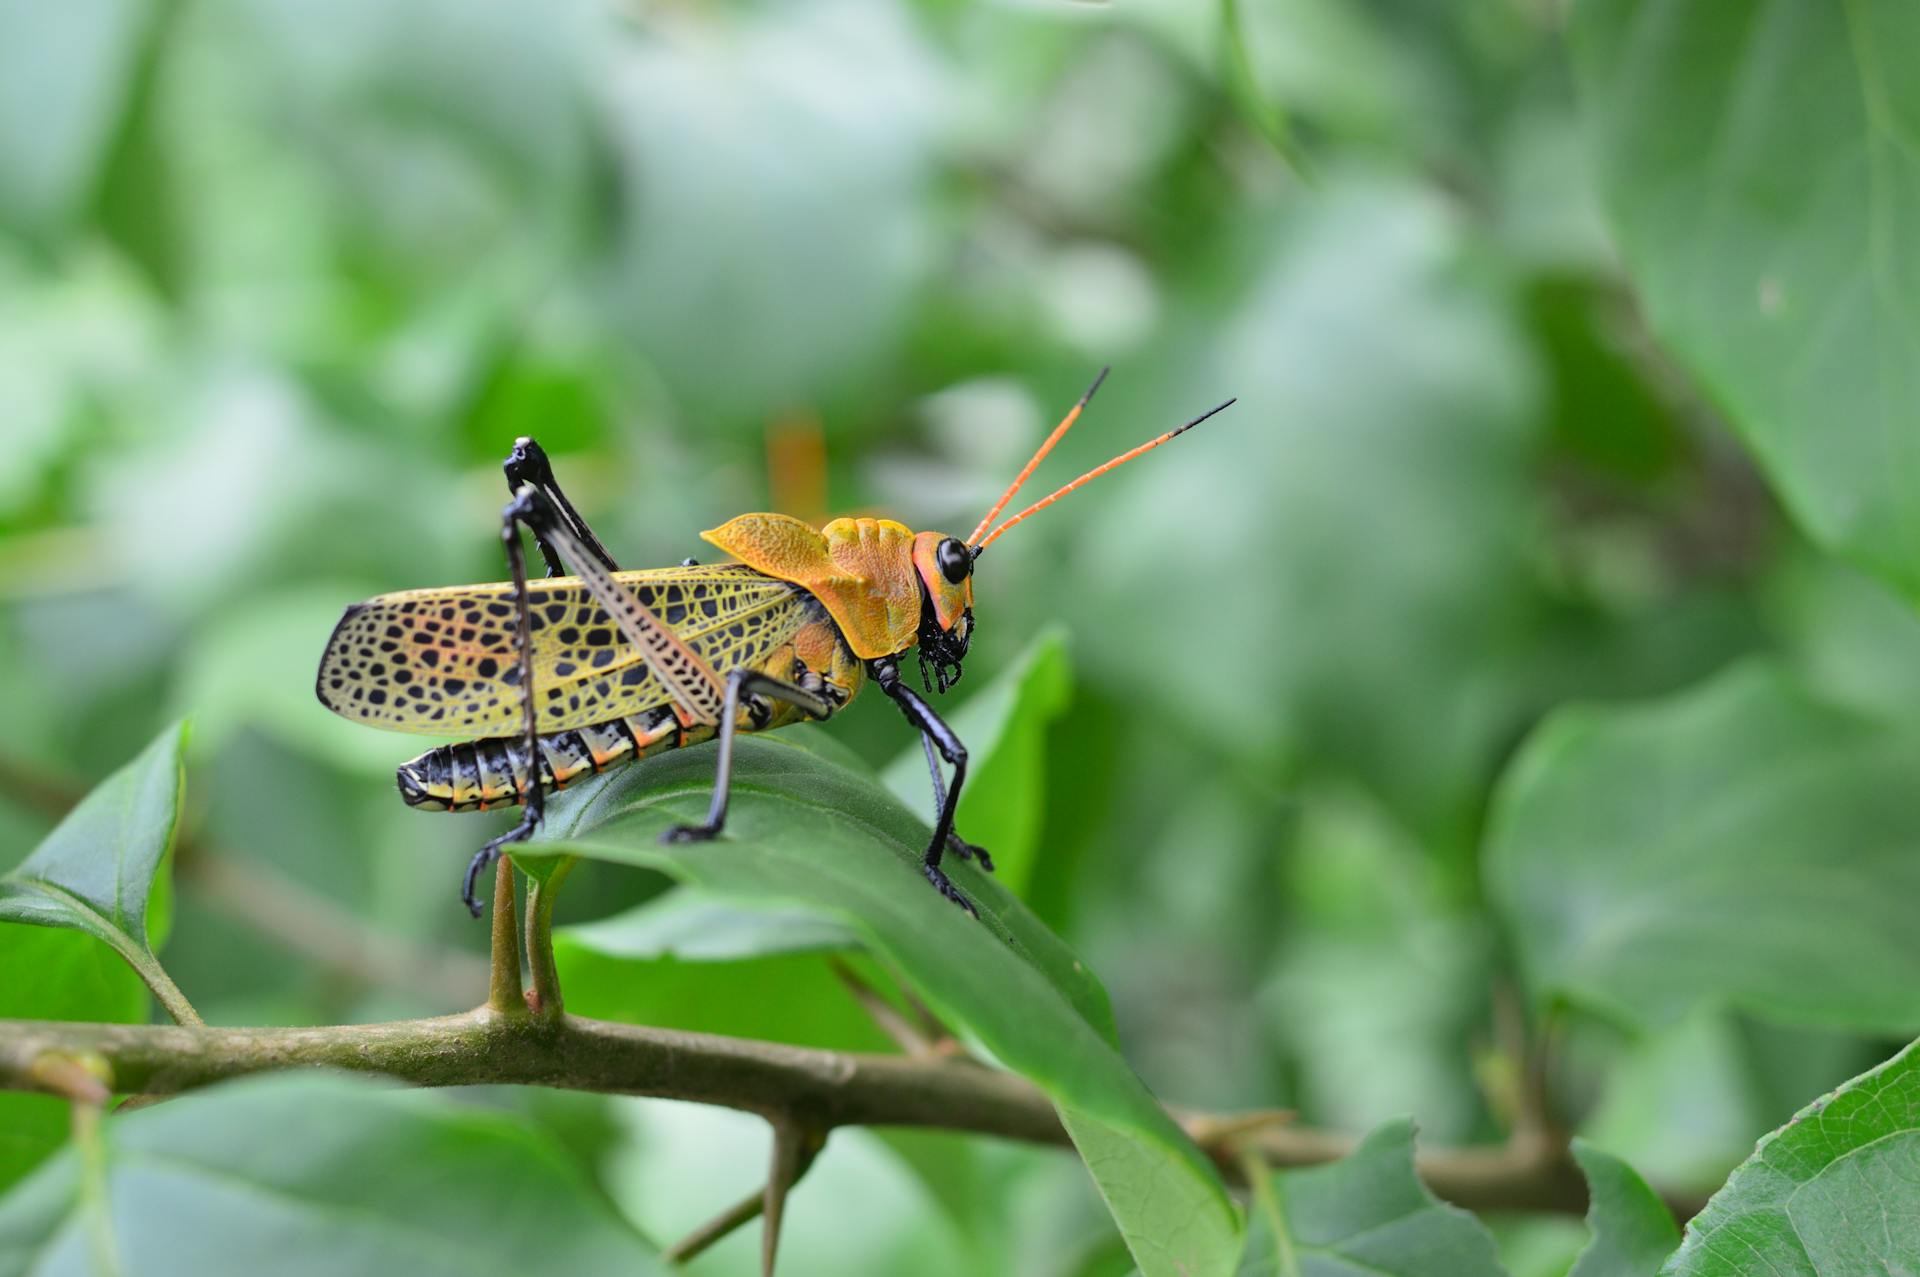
x: 281, y: 282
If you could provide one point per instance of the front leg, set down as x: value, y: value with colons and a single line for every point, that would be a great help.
x: 955, y: 843
x: 740, y: 685
x: 886, y: 672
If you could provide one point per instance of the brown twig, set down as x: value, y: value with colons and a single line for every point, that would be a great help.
x: 1211, y: 1130
x: 905, y: 1034
x: 736, y: 1216
x: 821, y: 1089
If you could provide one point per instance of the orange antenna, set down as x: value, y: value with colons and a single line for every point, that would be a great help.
x: 1099, y: 470
x: 1073, y: 415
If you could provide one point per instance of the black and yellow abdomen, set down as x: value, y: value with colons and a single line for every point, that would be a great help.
x: 497, y: 772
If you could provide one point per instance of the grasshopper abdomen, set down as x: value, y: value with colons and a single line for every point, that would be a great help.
x: 498, y: 772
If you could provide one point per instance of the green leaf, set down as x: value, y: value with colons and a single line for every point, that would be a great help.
x: 1740, y: 843
x: 322, y: 1175
x: 1366, y: 1213
x: 687, y: 960
x: 691, y: 927
x: 1632, y: 1229
x: 96, y: 870
x: 1761, y: 166
x: 1854, y: 641
x: 1005, y: 728
x: 807, y: 831
x: 53, y: 974
x: 1829, y: 1194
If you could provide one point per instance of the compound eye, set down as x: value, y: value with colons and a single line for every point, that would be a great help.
x: 955, y: 560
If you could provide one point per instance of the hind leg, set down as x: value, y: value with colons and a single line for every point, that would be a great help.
x: 528, y: 464
x: 510, y: 520
x: 742, y: 684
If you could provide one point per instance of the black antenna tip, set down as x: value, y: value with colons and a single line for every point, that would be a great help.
x: 1096, y: 384
x: 1211, y: 412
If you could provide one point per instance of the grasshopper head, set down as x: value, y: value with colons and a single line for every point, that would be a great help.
x: 945, y: 567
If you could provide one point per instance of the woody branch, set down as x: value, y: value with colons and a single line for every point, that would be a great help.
x: 816, y: 1089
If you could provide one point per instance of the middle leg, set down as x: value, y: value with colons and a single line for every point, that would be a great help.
x: 742, y: 684
x: 955, y: 843
x: 886, y: 672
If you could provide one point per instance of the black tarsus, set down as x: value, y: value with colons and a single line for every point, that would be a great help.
x: 741, y: 683
x: 528, y: 464
x: 886, y: 673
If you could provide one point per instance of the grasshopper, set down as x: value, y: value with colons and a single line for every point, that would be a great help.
x: 570, y: 675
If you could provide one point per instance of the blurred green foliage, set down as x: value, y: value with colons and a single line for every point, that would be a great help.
x: 1368, y: 1213
x: 280, y: 283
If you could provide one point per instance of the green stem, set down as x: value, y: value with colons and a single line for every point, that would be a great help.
x: 547, y: 1002
x: 504, y: 992
x: 93, y: 1187
x: 1260, y: 1179
x: 164, y: 989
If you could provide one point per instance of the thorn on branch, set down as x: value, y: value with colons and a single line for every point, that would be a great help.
x: 792, y: 1155
x: 144, y: 1100
x: 98, y: 1208
x: 794, y: 1148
